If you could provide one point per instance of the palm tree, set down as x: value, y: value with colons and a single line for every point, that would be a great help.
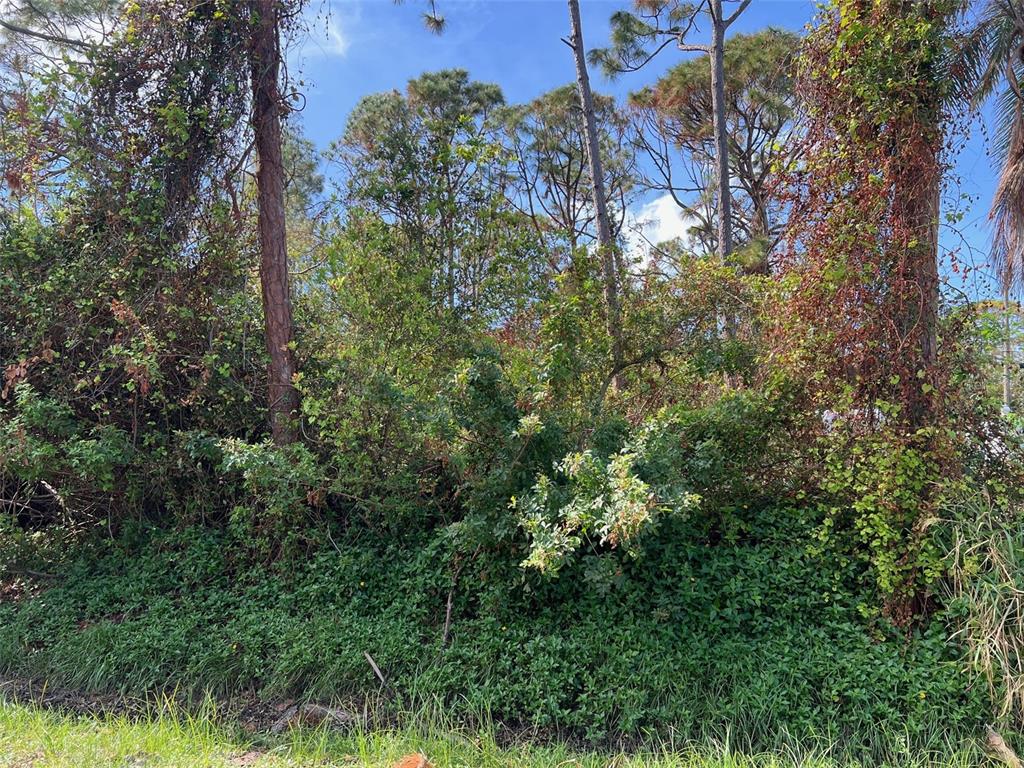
x: 994, y: 55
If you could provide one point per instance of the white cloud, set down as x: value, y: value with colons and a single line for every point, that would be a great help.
x: 656, y: 222
x: 329, y: 31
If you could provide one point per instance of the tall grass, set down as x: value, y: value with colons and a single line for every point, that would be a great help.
x: 169, y: 736
x: 986, y: 588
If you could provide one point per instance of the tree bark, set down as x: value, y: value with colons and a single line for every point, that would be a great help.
x: 921, y: 193
x: 1007, y: 350
x: 265, y: 61
x: 724, y: 191
x: 605, y: 242
x: 929, y: 273
x: 917, y: 205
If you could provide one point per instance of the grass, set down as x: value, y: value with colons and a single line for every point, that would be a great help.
x: 167, y: 736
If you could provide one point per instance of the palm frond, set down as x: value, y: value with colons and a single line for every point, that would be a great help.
x: 991, y: 60
x: 1008, y: 207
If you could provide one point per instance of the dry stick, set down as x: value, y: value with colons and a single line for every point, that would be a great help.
x: 44, y: 36
x: 60, y: 499
x: 457, y: 571
x: 376, y: 669
x: 447, y: 618
x: 33, y: 574
x: 446, y: 632
x: 997, y: 746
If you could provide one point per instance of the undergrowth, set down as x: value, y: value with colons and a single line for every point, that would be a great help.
x: 765, y: 639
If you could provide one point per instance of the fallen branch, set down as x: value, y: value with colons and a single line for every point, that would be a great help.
x: 997, y: 745
x: 33, y: 574
x: 448, y: 618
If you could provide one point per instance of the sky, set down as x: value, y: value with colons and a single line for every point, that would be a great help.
x: 358, y: 47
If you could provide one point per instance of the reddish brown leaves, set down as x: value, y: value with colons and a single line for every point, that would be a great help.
x: 414, y: 760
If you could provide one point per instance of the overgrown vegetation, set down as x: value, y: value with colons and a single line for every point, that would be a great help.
x: 691, y: 640
x: 165, y: 736
x: 769, y: 495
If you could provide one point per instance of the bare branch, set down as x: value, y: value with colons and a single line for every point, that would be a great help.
x: 736, y: 14
x: 44, y: 36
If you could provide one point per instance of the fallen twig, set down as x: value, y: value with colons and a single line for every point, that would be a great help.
x: 376, y: 669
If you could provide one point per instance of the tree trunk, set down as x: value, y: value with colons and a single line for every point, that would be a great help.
x: 283, y: 399
x: 930, y: 269
x: 921, y: 191
x: 720, y: 128
x: 1007, y: 350
x: 605, y: 243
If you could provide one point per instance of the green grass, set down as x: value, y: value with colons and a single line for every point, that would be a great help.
x: 32, y: 738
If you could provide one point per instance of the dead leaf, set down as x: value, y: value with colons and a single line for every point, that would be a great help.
x: 414, y: 760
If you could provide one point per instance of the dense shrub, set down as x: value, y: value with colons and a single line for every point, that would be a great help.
x: 758, y: 637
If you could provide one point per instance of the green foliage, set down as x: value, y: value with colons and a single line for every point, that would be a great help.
x: 172, y: 735
x: 994, y: 331
x: 886, y: 84
x: 124, y: 301
x: 43, y: 445
x: 607, y: 501
x: 705, y: 463
x: 675, y: 117
x: 429, y: 166
x: 863, y: 318
x: 759, y: 637
x: 876, y: 488
x: 552, y: 180
x: 730, y: 558
x: 983, y: 538
x: 278, y: 485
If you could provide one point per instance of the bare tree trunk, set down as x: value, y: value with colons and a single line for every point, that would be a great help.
x: 718, y: 24
x: 1007, y: 350
x: 606, y: 245
x: 283, y: 399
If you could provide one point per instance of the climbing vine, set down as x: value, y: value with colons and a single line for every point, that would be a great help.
x: 862, y: 253
x: 861, y: 323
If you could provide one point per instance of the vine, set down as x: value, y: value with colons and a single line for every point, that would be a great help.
x: 861, y: 322
x: 862, y: 253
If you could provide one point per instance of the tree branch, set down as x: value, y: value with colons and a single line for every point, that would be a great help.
x: 735, y: 15
x: 46, y: 37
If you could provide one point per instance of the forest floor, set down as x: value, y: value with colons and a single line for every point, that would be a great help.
x: 56, y: 728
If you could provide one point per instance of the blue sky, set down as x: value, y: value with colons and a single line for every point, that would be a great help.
x: 359, y: 47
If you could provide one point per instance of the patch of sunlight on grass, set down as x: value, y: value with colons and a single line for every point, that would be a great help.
x: 170, y: 738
